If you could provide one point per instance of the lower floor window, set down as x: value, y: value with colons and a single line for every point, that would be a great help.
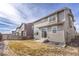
x: 54, y: 29
x: 36, y: 33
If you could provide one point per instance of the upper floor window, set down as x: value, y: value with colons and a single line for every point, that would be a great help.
x: 61, y: 16
x: 52, y: 18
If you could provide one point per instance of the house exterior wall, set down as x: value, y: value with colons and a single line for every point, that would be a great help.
x: 51, y: 36
x: 46, y: 21
x: 64, y: 33
x: 69, y: 30
x: 57, y: 37
x: 13, y: 33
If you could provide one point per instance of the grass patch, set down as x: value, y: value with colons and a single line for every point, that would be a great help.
x: 30, y: 47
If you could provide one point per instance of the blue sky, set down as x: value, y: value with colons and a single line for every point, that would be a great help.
x: 12, y: 15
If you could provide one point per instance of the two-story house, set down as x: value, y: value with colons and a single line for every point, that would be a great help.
x: 25, y: 30
x: 57, y: 27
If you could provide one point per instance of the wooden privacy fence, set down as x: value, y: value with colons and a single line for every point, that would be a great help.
x: 6, y: 36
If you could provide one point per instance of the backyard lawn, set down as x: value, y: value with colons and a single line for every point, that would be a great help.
x: 33, y: 48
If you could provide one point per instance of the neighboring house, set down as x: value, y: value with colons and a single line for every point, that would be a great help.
x: 13, y: 33
x: 5, y: 36
x: 57, y: 27
x: 17, y: 31
x: 25, y: 30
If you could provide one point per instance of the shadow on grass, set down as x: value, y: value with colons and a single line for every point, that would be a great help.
x: 74, y: 42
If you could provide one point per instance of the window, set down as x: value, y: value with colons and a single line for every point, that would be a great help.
x: 54, y: 29
x: 25, y: 34
x: 52, y: 18
x: 36, y: 33
x: 61, y: 16
x: 22, y: 33
x: 17, y: 33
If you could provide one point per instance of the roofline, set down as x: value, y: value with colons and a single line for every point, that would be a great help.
x: 59, y: 10
x: 56, y: 24
x: 22, y: 24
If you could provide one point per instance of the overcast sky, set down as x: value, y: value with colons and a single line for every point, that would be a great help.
x: 12, y: 15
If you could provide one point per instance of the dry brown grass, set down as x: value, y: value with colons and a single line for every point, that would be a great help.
x: 30, y: 47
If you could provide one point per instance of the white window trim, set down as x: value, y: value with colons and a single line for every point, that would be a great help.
x: 53, y: 16
x: 53, y: 28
